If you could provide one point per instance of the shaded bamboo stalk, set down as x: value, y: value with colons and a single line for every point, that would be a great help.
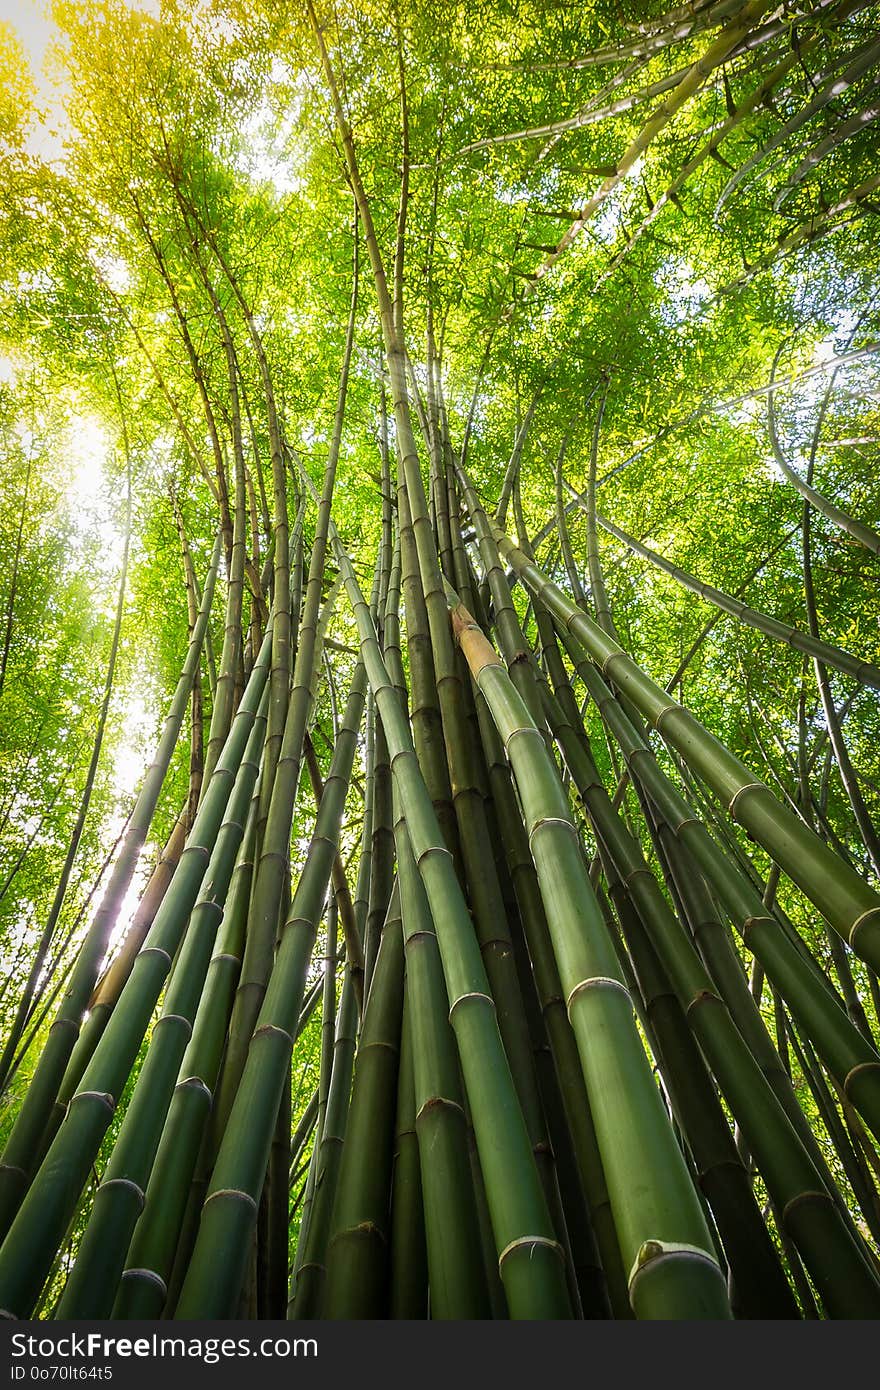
x: 27, y: 1252
x: 673, y: 1271
x: 850, y: 905
x: 25, y: 1138
x: 217, y: 1267
x: 119, y: 1200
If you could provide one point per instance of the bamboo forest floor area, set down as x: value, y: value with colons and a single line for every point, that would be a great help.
x: 439, y: 660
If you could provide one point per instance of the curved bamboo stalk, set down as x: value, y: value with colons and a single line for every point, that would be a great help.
x: 862, y: 671
x: 849, y: 904
x: 864, y: 58
x: 729, y: 38
x: 92, y: 1282
x: 27, y: 1252
x: 865, y: 535
x: 216, y: 1270
x: 663, y: 1237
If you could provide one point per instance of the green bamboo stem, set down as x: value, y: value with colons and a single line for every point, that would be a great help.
x: 306, y: 1295
x: 847, y: 1053
x: 530, y: 1264
x: 552, y: 1003
x: 865, y: 1192
x: 427, y: 727
x: 356, y: 1261
x: 301, y: 1135
x: 760, y: 1287
x: 328, y: 1018
x: 119, y: 1200
x: 659, y: 1223
x: 230, y: 656
x: 408, y: 1293
x: 712, y: 938
x: 29, y: 1247
x: 456, y: 1278
x: 216, y: 1269
x: 109, y: 986
x: 652, y: 928
x: 862, y: 671
x: 350, y: 913
x: 23, y: 1143
x: 850, y: 905
x: 273, y: 861
x: 718, y: 51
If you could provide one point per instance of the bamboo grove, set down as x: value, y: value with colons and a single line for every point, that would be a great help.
x: 492, y: 929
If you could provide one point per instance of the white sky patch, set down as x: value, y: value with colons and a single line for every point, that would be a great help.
x: 33, y: 25
x: 267, y: 157
x: 114, y: 270
x: 7, y: 370
x: 87, y: 445
x: 135, y: 748
x: 36, y: 29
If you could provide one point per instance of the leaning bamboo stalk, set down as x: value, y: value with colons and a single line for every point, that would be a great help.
x: 43, y: 945
x: 29, y: 1247
x: 216, y: 1270
x: 31, y: 1121
x: 92, y: 1282
x: 223, y: 706
x: 863, y: 671
x: 143, y: 1287
x: 529, y: 1255
x: 109, y: 987
x: 300, y: 1138
x: 809, y: 1213
x: 728, y: 39
x: 783, y: 955
x: 663, y: 1237
x: 689, y: 850
x: 848, y: 903
x: 144, y: 1284
x: 720, y: 132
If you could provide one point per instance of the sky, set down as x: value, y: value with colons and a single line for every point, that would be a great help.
x: 33, y: 25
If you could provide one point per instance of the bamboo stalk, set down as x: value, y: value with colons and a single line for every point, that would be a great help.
x: 850, y: 905
x: 119, y: 1200
x: 27, y: 1252
x: 24, y: 1140
x: 216, y: 1269
x: 673, y: 1271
